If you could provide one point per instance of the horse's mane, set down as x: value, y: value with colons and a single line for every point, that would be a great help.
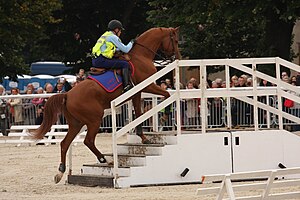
x: 151, y: 31
x: 149, y: 42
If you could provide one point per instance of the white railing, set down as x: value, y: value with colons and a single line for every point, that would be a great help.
x: 241, y: 93
x: 272, y: 179
x: 137, y: 121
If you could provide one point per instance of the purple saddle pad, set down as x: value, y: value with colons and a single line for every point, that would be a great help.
x: 109, y: 80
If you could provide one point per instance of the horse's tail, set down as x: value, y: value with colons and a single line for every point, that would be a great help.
x: 53, y: 107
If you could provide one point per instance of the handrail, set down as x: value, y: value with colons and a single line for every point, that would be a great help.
x: 143, y: 84
x: 127, y: 95
x: 204, y: 93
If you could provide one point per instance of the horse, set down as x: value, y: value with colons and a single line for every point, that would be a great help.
x: 85, y: 103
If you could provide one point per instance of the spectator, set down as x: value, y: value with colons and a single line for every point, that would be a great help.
x: 214, y: 84
x: 234, y: 81
x: 40, y: 111
x: 298, y: 79
x: 265, y: 83
x: 28, y: 109
x: 169, y: 84
x: 30, y: 87
x: 167, y: 110
x: 215, y: 107
x: 48, y: 88
x: 249, y: 82
x: 16, y: 107
x: 60, y: 88
x: 80, y: 76
x: 295, y: 110
x: 194, y: 81
x: 286, y: 79
x: 65, y: 85
x: 181, y: 86
x: 39, y: 100
x: 242, y: 81
x: 218, y: 82
x: 262, y: 119
x: 192, y: 107
x: 284, y: 74
x: 223, y: 85
x: 3, y: 112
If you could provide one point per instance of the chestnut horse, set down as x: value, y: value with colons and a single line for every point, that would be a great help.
x: 85, y: 103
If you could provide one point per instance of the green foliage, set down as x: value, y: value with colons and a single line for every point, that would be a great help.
x: 22, y: 25
x: 85, y: 21
x: 66, y: 30
x: 233, y: 28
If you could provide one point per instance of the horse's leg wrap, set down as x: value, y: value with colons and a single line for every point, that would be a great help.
x: 139, y: 130
x: 102, y: 159
x: 62, y: 167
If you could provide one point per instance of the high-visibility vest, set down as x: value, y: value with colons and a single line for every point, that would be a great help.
x: 110, y: 47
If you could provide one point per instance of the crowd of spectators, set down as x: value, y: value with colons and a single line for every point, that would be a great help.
x: 18, y: 111
x: 241, y: 112
x: 31, y: 109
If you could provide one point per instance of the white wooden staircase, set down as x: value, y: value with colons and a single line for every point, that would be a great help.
x: 165, y: 161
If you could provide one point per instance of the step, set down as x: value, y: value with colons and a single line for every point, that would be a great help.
x: 91, y: 181
x: 103, y: 170
x: 141, y: 149
x: 129, y: 160
x: 155, y: 138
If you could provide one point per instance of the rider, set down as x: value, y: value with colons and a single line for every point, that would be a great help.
x: 105, y: 48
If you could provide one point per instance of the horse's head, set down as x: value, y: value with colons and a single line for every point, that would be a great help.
x: 169, y: 44
x: 164, y: 39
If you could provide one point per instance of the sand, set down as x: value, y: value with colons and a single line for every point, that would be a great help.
x: 27, y: 172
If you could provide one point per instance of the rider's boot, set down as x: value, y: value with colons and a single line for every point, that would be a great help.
x: 126, y: 83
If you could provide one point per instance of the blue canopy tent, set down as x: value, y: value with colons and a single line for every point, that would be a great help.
x: 37, y: 81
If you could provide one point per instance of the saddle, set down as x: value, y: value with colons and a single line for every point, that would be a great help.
x: 118, y: 55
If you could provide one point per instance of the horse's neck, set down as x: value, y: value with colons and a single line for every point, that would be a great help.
x: 149, y: 43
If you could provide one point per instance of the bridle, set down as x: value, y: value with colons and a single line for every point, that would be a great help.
x: 171, y: 42
x: 165, y: 59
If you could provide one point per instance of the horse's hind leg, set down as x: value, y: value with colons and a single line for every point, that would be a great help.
x: 74, y: 128
x: 89, y: 140
x: 136, y: 100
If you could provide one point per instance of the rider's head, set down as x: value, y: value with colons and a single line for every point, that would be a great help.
x: 115, y: 26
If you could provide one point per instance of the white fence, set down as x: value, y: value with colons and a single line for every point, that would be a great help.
x: 272, y: 179
x: 21, y: 135
x: 249, y: 95
x: 190, y: 114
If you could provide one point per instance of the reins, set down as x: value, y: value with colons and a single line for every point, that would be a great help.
x: 158, y: 55
x: 164, y: 59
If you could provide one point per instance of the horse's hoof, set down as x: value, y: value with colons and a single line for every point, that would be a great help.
x: 110, y: 161
x: 58, y: 177
x: 146, y: 141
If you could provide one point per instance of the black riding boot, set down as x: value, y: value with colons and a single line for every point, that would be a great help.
x: 126, y: 83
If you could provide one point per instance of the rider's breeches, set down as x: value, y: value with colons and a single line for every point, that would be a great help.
x: 109, y: 63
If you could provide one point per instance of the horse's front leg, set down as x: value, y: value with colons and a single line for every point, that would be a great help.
x: 136, y: 100
x: 74, y: 128
x: 155, y: 89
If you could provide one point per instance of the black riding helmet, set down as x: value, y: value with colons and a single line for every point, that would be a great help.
x: 113, y: 24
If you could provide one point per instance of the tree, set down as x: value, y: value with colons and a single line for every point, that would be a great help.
x: 234, y: 28
x: 83, y: 22
x: 22, y: 25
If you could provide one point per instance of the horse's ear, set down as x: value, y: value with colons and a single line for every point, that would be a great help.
x: 177, y: 28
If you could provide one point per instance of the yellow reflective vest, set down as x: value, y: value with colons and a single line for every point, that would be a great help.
x: 110, y: 47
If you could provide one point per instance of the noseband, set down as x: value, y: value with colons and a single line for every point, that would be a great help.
x: 171, y: 42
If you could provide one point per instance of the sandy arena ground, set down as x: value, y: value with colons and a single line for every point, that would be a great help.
x: 27, y: 172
